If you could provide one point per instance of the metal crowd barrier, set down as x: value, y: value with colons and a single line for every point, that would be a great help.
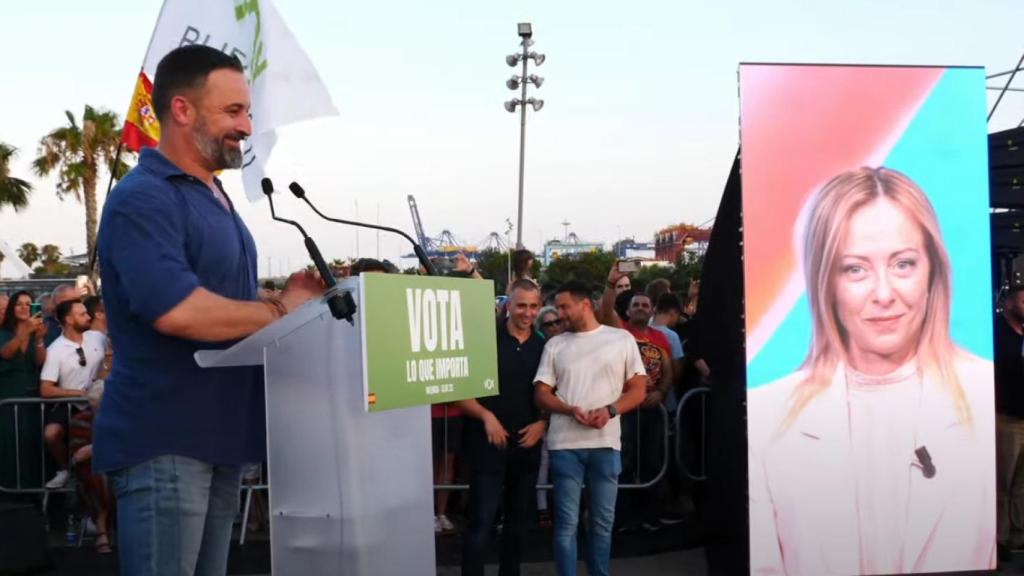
x: 261, y: 484
x: 15, y: 404
x: 627, y: 486
x: 702, y: 393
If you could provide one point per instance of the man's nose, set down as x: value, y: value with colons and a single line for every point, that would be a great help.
x: 245, y: 126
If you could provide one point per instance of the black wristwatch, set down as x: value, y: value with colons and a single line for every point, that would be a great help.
x: 612, y: 412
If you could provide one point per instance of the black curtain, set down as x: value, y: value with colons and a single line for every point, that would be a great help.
x: 720, y: 341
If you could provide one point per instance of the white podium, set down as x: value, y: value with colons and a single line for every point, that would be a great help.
x: 351, y: 492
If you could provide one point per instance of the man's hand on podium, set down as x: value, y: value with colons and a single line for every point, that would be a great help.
x: 300, y: 287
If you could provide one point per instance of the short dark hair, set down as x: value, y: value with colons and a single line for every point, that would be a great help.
x: 577, y: 289
x: 93, y: 304
x: 668, y: 302
x: 657, y: 287
x: 524, y: 284
x: 521, y: 261
x: 367, y: 265
x: 64, y: 309
x: 186, y: 68
x: 622, y: 301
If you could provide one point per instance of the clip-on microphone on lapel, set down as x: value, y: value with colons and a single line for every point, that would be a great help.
x: 925, y: 462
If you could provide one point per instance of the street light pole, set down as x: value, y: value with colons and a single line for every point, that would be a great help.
x: 522, y: 147
x: 525, y: 32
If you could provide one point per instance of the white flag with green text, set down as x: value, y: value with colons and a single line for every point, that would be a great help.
x: 284, y: 83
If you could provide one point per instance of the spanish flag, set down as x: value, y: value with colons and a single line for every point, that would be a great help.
x: 141, y: 127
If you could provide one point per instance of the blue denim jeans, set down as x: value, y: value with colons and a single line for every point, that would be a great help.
x: 174, y: 516
x: 599, y: 469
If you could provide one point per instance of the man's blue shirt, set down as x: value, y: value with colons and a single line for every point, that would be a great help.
x: 162, y: 235
x: 53, y: 330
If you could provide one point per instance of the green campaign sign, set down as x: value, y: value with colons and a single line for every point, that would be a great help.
x: 427, y: 340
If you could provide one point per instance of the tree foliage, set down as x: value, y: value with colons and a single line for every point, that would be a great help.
x: 29, y: 253
x: 493, y: 265
x: 76, y: 154
x: 50, y: 264
x: 589, y: 267
x: 14, y: 192
x: 686, y: 269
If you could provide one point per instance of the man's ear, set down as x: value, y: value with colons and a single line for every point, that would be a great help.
x: 182, y: 111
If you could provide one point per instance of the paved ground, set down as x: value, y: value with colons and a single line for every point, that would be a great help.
x: 683, y: 562
x: 680, y: 562
x: 673, y: 551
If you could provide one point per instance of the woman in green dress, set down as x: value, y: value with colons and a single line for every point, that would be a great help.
x: 22, y: 354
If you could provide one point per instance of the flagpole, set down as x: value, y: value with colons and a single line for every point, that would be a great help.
x: 110, y: 184
x: 120, y: 145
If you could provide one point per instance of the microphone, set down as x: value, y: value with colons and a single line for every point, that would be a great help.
x: 421, y: 254
x: 927, y: 467
x: 341, y: 306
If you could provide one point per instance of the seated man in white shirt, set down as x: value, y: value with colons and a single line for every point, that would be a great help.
x: 72, y: 361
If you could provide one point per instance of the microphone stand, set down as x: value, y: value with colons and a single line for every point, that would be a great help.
x: 421, y: 254
x: 342, y: 306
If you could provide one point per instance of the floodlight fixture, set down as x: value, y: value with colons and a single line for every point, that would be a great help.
x: 521, y: 82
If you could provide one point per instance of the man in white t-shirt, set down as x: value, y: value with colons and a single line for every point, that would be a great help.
x: 72, y: 361
x: 587, y: 377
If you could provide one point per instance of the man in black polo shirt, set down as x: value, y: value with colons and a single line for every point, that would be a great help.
x: 1009, y: 369
x: 502, y: 436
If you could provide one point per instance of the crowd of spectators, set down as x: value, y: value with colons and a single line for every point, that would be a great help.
x: 488, y: 443
x: 56, y: 347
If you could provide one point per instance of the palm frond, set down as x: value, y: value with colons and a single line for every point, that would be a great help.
x: 14, y: 192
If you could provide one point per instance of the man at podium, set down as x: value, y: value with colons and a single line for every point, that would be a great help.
x: 179, y: 274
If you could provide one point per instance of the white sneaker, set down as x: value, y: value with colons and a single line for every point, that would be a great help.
x: 437, y: 525
x: 446, y: 524
x: 58, y: 481
x: 90, y: 527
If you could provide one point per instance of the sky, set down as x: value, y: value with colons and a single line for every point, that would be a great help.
x: 638, y: 131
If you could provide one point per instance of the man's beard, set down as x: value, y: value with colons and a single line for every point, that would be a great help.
x: 213, y: 148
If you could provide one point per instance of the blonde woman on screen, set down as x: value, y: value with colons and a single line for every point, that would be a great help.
x: 877, y: 455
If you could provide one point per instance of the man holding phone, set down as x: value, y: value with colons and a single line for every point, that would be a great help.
x: 61, y: 294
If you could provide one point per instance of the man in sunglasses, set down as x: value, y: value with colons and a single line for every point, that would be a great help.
x: 72, y: 361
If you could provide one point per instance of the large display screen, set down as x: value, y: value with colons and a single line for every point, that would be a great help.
x: 868, y: 319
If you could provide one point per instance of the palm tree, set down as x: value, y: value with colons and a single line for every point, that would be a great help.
x: 13, y: 191
x: 29, y: 253
x: 77, y: 154
x: 50, y: 255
